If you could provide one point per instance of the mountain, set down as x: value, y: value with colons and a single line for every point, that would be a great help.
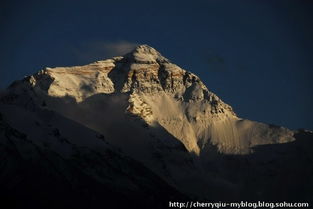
x: 141, y: 128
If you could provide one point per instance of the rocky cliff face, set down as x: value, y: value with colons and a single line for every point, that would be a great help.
x: 150, y: 109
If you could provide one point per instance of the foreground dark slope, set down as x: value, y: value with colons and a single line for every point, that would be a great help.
x: 275, y: 173
x: 139, y: 128
x: 40, y: 175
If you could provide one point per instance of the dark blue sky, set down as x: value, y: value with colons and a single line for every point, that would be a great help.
x: 256, y: 55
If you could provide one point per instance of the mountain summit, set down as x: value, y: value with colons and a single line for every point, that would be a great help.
x: 146, y: 54
x: 141, y: 115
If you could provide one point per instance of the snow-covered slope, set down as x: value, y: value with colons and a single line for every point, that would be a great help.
x: 149, y: 109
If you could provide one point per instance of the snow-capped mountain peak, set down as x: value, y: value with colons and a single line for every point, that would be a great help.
x: 138, y: 105
x: 157, y: 91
